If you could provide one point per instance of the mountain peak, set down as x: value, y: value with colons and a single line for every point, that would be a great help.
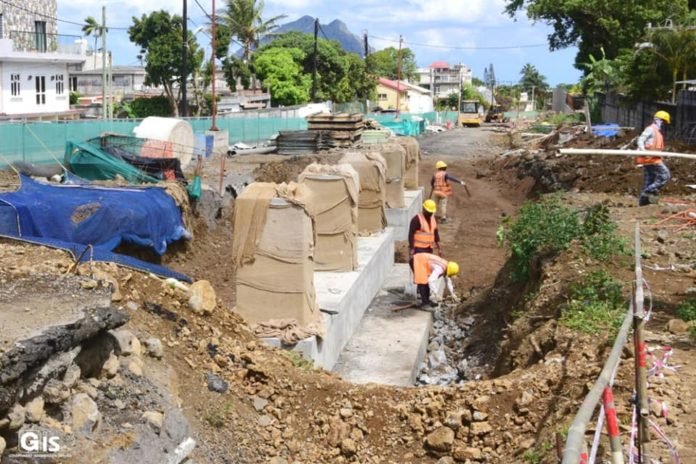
x: 335, y: 30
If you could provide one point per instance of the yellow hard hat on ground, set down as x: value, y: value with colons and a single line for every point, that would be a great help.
x: 442, y: 164
x: 429, y: 206
x: 664, y: 116
x: 452, y: 269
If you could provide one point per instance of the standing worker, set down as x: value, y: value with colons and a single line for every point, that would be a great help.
x: 440, y: 186
x: 423, y: 235
x: 428, y: 268
x: 655, y: 173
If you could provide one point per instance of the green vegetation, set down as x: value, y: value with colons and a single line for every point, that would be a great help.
x: 218, y: 417
x: 535, y: 456
x: 595, y: 304
x: 548, y: 227
x: 385, y: 62
x: 687, y: 311
x: 692, y: 332
x: 560, y: 119
x: 299, y: 361
x: 74, y: 97
x: 155, y: 106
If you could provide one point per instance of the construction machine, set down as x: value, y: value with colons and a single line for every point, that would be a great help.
x: 469, y: 113
x: 495, y: 114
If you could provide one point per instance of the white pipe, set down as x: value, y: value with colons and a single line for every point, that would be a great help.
x: 599, y: 151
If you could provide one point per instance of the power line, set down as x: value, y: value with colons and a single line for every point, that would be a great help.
x: 66, y: 21
x: 203, y: 10
x: 459, y: 47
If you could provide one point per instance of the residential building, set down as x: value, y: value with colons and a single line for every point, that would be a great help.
x: 390, y: 92
x: 125, y: 81
x: 418, y: 98
x: 444, y: 80
x: 34, y: 60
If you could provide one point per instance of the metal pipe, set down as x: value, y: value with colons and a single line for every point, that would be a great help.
x: 576, y: 433
x: 617, y: 456
x: 252, y: 151
x: 599, y: 151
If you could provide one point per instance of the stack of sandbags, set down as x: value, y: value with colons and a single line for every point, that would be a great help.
x: 334, y: 205
x: 412, y: 156
x: 372, y: 170
x: 395, y: 156
x: 273, y: 249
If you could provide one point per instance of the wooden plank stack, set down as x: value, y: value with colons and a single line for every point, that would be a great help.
x: 341, y: 129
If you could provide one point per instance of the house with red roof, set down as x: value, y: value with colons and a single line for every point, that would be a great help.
x: 412, y: 98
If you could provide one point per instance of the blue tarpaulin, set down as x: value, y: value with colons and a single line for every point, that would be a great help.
x: 605, y: 130
x: 76, y: 215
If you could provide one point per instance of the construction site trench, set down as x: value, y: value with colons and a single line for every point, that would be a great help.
x: 139, y: 376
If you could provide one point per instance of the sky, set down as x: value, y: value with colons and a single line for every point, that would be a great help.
x: 456, y: 31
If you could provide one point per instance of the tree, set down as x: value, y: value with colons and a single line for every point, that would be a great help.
x: 243, y: 19
x: 280, y: 72
x: 384, y: 63
x: 94, y: 29
x: 159, y: 36
x: 532, y: 80
x: 489, y: 76
x: 676, y: 50
x: 596, y: 24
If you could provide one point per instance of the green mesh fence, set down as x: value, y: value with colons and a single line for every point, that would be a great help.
x: 44, y: 142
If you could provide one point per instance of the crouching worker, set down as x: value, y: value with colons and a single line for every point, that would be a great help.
x: 427, y: 270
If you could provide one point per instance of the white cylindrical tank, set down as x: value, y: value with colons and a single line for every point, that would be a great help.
x: 177, y: 132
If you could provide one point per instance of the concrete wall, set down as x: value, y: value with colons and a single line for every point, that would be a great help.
x: 617, y: 109
x: 26, y: 101
x: 22, y: 20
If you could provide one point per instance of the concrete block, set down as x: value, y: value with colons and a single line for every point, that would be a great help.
x: 400, y: 218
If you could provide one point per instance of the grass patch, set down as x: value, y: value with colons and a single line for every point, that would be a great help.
x: 548, y: 227
x: 687, y: 311
x: 560, y: 119
x: 535, y: 456
x: 218, y: 417
x: 595, y: 305
x: 299, y: 361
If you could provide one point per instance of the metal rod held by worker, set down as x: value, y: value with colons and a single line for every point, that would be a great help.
x: 612, y: 426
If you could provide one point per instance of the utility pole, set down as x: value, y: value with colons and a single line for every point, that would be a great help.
x: 314, y: 61
x: 533, y: 102
x: 213, y: 105
x: 398, y: 78
x: 367, y: 46
x: 104, y: 83
x: 459, y: 100
x: 110, y: 79
x: 184, y: 59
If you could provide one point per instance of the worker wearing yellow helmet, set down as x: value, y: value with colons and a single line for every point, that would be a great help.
x: 428, y: 269
x: 655, y: 172
x: 423, y: 234
x: 441, y: 188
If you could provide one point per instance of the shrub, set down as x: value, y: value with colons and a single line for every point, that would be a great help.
x: 595, y: 304
x: 600, y: 240
x: 74, y: 96
x: 156, y: 106
x: 687, y: 311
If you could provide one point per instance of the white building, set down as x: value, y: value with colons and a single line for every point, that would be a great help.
x: 444, y: 80
x: 419, y: 98
x: 33, y: 62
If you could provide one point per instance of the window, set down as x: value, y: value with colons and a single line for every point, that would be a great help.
x: 14, y: 84
x: 40, y: 89
x: 60, y: 84
x: 1, y: 28
x: 73, y: 83
x: 40, y: 35
x: 382, y: 96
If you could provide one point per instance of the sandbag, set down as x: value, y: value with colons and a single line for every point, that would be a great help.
x: 274, y: 252
x: 395, y: 156
x: 335, y: 194
x: 412, y: 148
x: 372, y: 171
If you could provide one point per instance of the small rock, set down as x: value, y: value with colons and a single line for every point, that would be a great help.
x: 154, y: 419
x: 348, y: 447
x: 35, y: 409
x: 72, y: 375
x: 135, y: 366
x: 126, y: 343
x: 481, y: 428
x: 55, y: 392
x: 265, y: 421
x: 346, y: 413
x: 528, y: 443
x: 85, y: 387
x: 480, y: 416
x: 85, y: 414
x: 132, y: 305
x: 118, y: 404
x: 3, y: 445
x: 462, y: 454
x: 524, y: 400
x: 153, y: 347
x: 216, y: 383
x: 357, y: 435
x: 17, y: 416
x: 110, y: 367
x: 259, y: 403
x: 677, y: 326
x: 661, y: 236
x: 278, y: 460
x: 440, y: 440
x: 445, y: 460
x: 202, y: 299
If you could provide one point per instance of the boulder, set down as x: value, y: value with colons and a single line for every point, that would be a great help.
x: 35, y: 409
x: 440, y: 440
x: 126, y: 344
x: 85, y: 414
x: 202, y: 298
x: 677, y: 326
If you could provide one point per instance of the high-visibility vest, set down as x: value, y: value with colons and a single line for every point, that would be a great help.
x: 442, y: 187
x: 425, y: 235
x: 423, y: 266
x: 657, y: 144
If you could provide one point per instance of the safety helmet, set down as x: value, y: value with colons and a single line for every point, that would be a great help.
x: 452, y: 269
x: 429, y: 206
x: 664, y: 116
x: 442, y: 164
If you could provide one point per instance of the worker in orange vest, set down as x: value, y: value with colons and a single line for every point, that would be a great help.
x: 423, y: 235
x: 428, y: 269
x: 655, y: 173
x: 441, y: 188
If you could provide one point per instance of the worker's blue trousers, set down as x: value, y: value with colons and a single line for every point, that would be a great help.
x: 655, y: 176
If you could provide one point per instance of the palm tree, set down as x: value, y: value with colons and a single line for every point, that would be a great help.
x: 677, y: 49
x: 93, y: 28
x: 244, y: 20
